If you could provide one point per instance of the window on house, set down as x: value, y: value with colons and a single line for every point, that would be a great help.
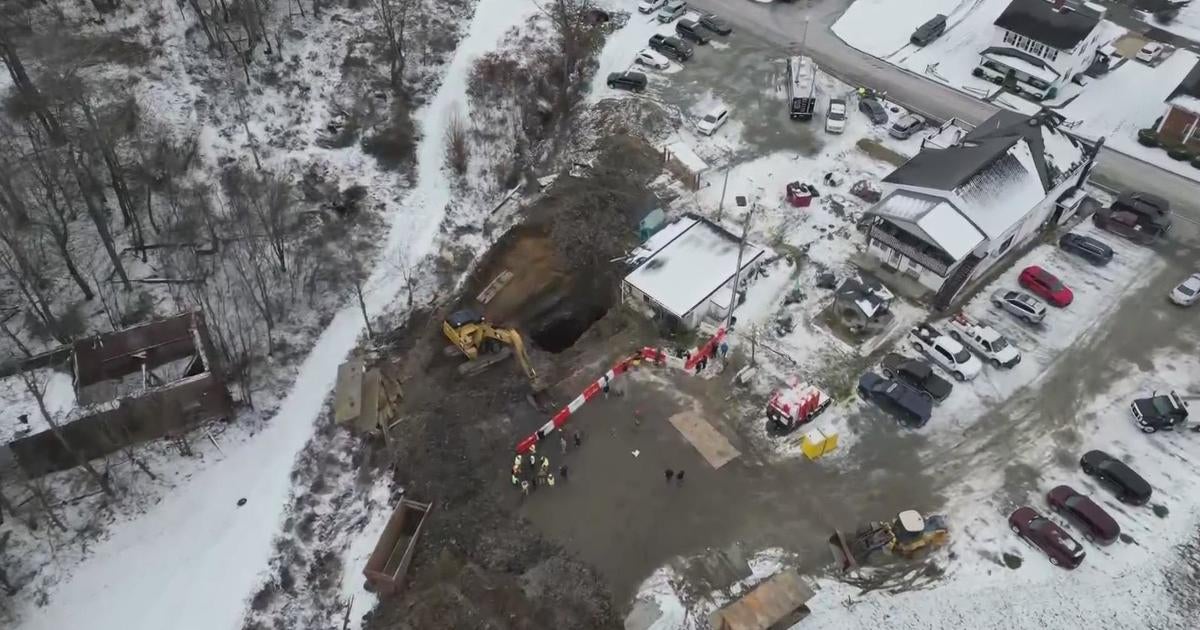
x: 1037, y: 49
x: 1010, y: 37
x: 1051, y: 54
x: 1005, y: 245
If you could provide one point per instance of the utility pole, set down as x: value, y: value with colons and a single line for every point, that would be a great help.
x: 737, y: 272
x: 804, y: 36
x: 725, y: 185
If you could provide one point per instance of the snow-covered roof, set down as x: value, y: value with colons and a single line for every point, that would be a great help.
x: 1187, y: 102
x: 687, y: 156
x: 942, y: 224
x: 1000, y: 196
x: 1022, y: 63
x: 661, y: 238
x: 684, y: 272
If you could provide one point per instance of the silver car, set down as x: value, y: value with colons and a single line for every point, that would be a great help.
x: 906, y: 126
x: 1186, y: 293
x: 1020, y: 304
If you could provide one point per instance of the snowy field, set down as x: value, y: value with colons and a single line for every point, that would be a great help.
x: 1114, y: 106
x: 153, y: 572
x: 1186, y: 24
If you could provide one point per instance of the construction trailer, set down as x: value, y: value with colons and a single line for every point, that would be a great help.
x: 778, y: 603
x: 387, y: 568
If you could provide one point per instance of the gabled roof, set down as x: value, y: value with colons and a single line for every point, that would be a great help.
x: 1054, y: 153
x: 1189, y: 86
x: 1040, y: 21
x: 946, y: 169
x: 933, y: 219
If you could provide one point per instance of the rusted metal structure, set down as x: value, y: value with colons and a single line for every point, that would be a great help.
x: 387, y: 567
x: 122, y: 400
x: 777, y: 603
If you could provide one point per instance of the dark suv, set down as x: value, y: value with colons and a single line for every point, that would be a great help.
x: 917, y: 373
x: 692, y: 31
x: 633, y: 81
x: 1087, y: 248
x: 1157, y: 412
x: 673, y: 47
x: 908, y: 405
x: 1116, y: 476
x: 1082, y: 512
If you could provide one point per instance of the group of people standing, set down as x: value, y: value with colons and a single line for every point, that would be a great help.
x: 529, y: 471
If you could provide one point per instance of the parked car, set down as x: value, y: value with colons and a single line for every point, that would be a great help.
x: 946, y: 352
x: 1116, y: 476
x: 1142, y: 203
x: 652, y: 59
x: 716, y: 24
x: 1082, y: 512
x: 1021, y: 304
x: 835, y: 117
x: 1045, y: 285
x: 929, y: 31
x: 673, y: 47
x: 908, y: 405
x: 874, y: 110
x: 691, y: 31
x: 712, y: 121
x: 1159, y: 411
x: 1088, y: 248
x: 672, y: 10
x: 1150, y: 52
x: 650, y: 6
x: 916, y: 373
x: 632, y: 81
x: 1186, y: 293
x: 984, y: 340
x: 906, y: 126
x: 1046, y: 535
x: 1139, y: 228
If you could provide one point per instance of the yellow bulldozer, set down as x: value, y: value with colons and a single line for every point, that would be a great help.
x: 909, y: 536
x: 485, y: 345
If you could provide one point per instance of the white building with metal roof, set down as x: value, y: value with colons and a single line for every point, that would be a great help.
x: 685, y: 272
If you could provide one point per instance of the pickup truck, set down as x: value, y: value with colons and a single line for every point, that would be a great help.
x: 916, y: 372
x: 984, y: 340
x: 945, y: 352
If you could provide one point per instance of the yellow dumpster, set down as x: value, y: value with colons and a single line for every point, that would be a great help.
x: 817, y: 443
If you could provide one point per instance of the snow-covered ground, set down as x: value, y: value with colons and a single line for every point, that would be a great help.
x: 16, y: 400
x: 884, y: 26
x: 1114, y: 106
x: 1186, y: 24
x: 192, y: 560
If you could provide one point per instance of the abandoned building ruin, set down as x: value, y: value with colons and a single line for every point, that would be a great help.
x: 153, y: 380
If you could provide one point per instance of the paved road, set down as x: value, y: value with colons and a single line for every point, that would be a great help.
x: 785, y: 25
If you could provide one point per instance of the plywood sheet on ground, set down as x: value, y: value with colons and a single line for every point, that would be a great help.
x: 348, y: 396
x: 369, y: 418
x: 713, y: 447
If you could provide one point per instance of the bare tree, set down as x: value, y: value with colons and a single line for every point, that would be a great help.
x: 572, y: 32
x: 393, y: 18
x: 85, y: 177
x: 32, y: 97
x: 38, y: 391
x: 53, y: 201
x: 28, y: 275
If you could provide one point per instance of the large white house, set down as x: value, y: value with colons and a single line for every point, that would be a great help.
x: 1042, y: 44
x: 949, y: 214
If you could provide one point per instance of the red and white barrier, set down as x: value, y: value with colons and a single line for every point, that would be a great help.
x: 655, y: 356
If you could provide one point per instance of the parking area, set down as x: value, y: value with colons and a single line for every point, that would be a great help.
x: 997, y: 442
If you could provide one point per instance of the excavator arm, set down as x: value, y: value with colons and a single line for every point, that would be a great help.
x: 513, y: 339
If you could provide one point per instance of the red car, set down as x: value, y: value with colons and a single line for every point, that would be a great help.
x: 1046, y: 535
x: 1091, y: 519
x: 1046, y: 285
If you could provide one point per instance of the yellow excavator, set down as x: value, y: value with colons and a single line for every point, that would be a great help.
x: 909, y: 536
x: 485, y: 345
